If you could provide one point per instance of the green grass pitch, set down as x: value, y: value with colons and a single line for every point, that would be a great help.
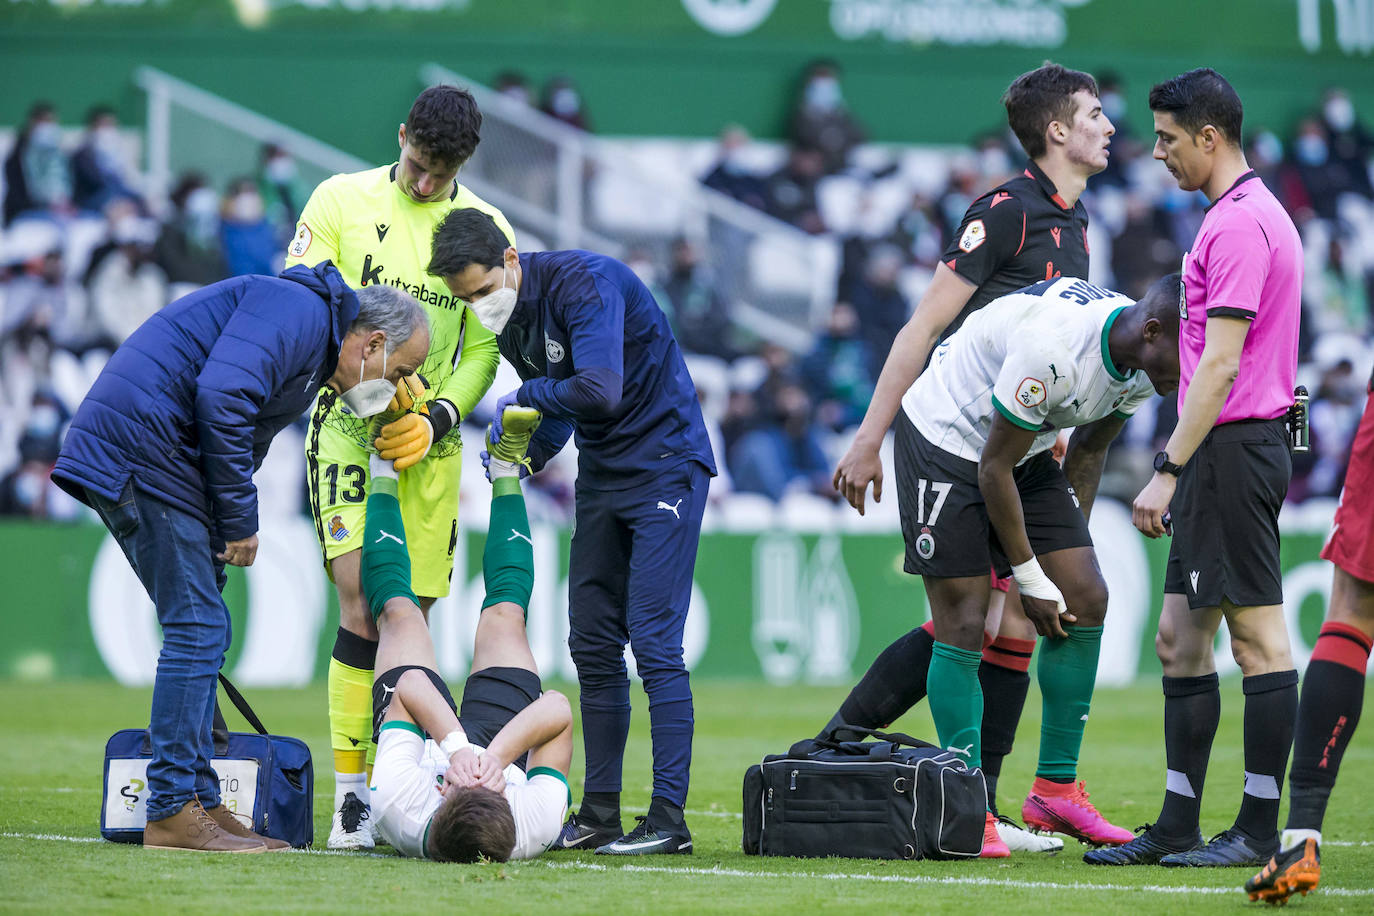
x: 52, y: 860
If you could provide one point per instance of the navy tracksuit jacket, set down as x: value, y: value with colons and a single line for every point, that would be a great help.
x: 598, y: 359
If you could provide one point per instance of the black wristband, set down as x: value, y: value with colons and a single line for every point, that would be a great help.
x: 443, y: 416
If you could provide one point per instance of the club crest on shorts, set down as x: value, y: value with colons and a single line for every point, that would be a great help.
x: 925, y: 544
x: 336, y: 528
x: 1030, y: 392
x: 974, y: 235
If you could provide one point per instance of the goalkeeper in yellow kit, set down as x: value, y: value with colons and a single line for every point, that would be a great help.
x: 376, y: 227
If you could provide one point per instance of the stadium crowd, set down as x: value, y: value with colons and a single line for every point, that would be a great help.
x: 86, y: 256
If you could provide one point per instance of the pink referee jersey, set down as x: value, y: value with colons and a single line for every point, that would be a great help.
x: 1245, y: 263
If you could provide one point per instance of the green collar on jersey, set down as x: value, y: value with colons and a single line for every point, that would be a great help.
x: 1107, y: 354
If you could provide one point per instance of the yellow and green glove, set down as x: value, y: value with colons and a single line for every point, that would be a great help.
x: 406, y: 440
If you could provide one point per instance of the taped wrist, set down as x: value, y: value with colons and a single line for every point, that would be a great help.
x: 386, y: 561
x: 1031, y: 579
x: 443, y: 416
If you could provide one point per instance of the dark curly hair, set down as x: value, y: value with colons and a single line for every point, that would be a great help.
x: 445, y: 123
x: 472, y: 824
x: 1039, y: 96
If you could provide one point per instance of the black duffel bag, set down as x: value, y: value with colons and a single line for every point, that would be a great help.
x: 892, y: 798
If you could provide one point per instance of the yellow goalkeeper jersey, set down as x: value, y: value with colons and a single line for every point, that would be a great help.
x: 375, y: 233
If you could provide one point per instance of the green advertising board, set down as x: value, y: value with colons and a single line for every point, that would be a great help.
x: 915, y: 70
x: 777, y: 606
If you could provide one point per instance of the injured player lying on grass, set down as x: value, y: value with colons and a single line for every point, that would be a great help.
x: 488, y: 782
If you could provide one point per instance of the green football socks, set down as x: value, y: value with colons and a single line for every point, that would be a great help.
x: 1066, y: 671
x: 508, y: 559
x: 386, y: 560
x: 956, y: 701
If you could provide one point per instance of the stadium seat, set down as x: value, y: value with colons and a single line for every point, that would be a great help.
x: 745, y: 512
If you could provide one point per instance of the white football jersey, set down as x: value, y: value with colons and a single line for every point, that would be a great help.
x: 409, y: 772
x: 1038, y: 357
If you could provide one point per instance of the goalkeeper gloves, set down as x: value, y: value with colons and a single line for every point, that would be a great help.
x: 407, y: 440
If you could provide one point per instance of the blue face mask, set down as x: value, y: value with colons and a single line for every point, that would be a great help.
x: 1310, y: 149
x: 823, y: 94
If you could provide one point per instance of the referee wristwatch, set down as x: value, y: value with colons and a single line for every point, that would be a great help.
x: 1164, y: 466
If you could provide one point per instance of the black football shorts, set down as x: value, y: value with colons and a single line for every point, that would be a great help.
x: 1226, y: 517
x: 945, y: 522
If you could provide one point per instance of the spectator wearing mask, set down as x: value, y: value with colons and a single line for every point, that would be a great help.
x: 100, y: 172
x: 37, y: 181
x: 277, y: 185
x: 28, y: 491
x: 124, y: 284
x: 792, y: 189
x: 1352, y: 146
x: 563, y: 102
x: 879, y: 304
x: 821, y: 120
x: 514, y: 85
x: 252, y: 245
x: 784, y: 454
x: 696, y: 309
x: 838, y: 371
x: 731, y: 173
x: 1324, y: 180
x: 188, y: 249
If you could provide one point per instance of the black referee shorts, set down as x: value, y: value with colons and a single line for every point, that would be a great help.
x: 945, y: 521
x: 1226, y: 517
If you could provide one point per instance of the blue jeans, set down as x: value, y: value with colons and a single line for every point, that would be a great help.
x: 173, y: 555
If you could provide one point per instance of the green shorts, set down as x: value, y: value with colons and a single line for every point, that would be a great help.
x: 337, y: 477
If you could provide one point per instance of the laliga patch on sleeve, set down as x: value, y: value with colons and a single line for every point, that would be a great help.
x: 974, y: 235
x: 301, y: 243
x: 1031, y: 392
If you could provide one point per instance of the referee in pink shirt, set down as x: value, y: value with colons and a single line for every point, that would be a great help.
x: 1223, y: 476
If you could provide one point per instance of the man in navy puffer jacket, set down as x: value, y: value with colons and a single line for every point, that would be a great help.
x: 164, y: 448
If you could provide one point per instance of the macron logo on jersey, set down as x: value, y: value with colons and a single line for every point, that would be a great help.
x: 382, y: 230
x: 998, y: 198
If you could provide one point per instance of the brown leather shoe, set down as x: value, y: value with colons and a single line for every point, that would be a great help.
x: 192, y: 828
x: 237, y: 824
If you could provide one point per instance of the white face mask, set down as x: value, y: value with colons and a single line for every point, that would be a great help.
x: 369, y: 398
x: 493, y: 310
x: 1340, y: 113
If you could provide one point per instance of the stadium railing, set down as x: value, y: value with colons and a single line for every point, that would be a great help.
x: 777, y: 281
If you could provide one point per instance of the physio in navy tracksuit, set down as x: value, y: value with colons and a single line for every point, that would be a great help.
x: 164, y: 448
x: 600, y: 363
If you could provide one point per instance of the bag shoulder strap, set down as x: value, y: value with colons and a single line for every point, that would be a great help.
x: 240, y: 704
x: 829, y: 738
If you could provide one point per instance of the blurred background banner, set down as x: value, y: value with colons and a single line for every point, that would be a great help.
x: 781, y: 606
x: 783, y: 174
x: 925, y: 71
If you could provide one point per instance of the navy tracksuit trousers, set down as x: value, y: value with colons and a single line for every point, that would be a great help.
x: 630, y: 580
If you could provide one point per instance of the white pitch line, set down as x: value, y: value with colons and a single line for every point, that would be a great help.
x: 51, y: 836
x: 717, y: 871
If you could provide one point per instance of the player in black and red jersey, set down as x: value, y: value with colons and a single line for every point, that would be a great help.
x: 1030, y: 228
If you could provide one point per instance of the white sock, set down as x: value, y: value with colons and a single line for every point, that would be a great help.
x: 1293, y: 838
x: 379, y: 467
x: 350, y: 782
x: 501, y: 468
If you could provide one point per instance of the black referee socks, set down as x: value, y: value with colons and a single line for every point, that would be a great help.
x: 1271, y: 707
x: 1192, y: 711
